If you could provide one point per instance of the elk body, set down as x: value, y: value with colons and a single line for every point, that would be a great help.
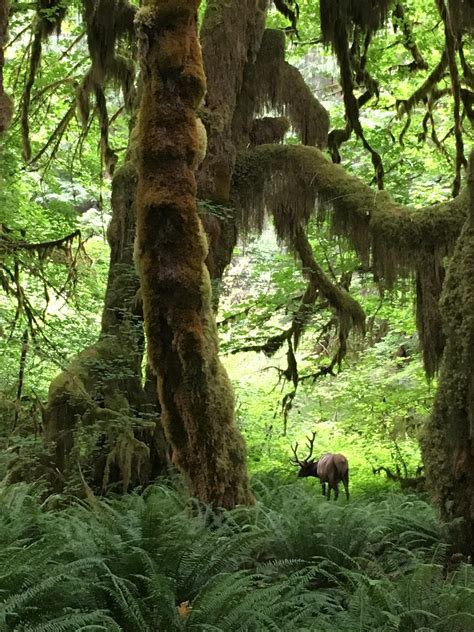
x: 329, y: 468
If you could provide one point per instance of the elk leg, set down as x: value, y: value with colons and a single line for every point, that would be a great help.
x: 336, y: 491
x: 346, y: 487
x: 329, y: 492
x: 323, y: 485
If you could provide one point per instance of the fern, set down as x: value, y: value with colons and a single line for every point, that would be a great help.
x: 293, y: 562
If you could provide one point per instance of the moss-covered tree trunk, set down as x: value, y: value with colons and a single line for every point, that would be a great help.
x: 448, y: 445
x: 195, y: 393
x: 98, y: 406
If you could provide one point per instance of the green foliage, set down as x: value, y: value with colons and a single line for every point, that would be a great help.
x: 294, y: 562
x: 372, y: 411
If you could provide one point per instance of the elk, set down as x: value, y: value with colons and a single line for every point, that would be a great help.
x: 329, y: 468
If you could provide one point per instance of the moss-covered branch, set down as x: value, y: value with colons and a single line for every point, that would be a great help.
x: 298, y: 178
x: 49, y: 15
x: 294, y: 183
x: 400, y: 20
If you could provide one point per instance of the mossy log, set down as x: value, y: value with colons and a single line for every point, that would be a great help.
x: 195, y: 393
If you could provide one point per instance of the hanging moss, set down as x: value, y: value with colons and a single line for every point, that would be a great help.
x: 294, y: 183
x: 241, y: 23
x: 268, y: 130
x: 51, y: 13
x: 461, y: 15
x: 195, y: 393
x: 231, y: 34
x: 301, y: 177
x: 48, y: 19
x: 369, y: 15
x: 107, y: 22
x: 429, y: 283
x: 272, y: 84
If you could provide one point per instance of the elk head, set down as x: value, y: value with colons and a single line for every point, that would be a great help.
x: 308, y: 467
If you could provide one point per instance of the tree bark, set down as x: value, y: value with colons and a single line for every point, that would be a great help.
x: 195, y: 393
x: 448, y: 443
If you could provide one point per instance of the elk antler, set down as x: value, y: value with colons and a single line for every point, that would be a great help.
x: 296, y: 460
x: 309, y: 445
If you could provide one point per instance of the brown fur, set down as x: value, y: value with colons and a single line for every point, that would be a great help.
x: 332, y: 468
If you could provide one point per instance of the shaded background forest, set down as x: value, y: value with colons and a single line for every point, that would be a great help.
x: 328, y: 321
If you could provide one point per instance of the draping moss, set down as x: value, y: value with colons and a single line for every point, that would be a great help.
x: 231, y: 33
x: 270, y: 83
x: 461, y: 15
x: 48, y: 19
x: 107, y: 22
x: 295, y: 183
x: 195, y: 393
x: 369, y: 15
x: 430, y: 276
x: 268, y: 130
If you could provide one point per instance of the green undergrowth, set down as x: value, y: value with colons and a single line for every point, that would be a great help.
x: 292, y: 562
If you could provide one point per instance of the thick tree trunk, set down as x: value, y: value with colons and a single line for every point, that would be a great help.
x: 195, y: 393
x: 99, y: 400
x: 242, y: 23
x: 448, y: 444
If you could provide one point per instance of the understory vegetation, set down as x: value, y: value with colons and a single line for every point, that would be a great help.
x: 157, y: 560
x: 236, y: 235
